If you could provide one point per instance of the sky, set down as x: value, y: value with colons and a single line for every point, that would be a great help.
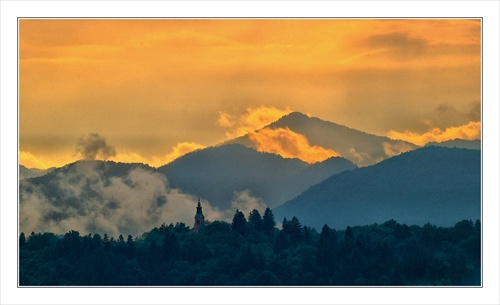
x: 150, y: 90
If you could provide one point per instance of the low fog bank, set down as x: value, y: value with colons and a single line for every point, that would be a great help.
x: 88, y: 199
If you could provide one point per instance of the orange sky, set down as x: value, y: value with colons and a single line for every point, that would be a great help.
x: 157, y: 88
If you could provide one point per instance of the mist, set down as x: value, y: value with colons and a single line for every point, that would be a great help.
x: 90, y: 200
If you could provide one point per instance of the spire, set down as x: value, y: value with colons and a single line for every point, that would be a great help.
x: 198, y: 209
x: 199, y: 218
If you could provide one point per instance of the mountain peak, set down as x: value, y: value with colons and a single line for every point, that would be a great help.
x: 291, y: 119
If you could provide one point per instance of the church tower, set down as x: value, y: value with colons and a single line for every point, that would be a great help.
x: 199, y: 219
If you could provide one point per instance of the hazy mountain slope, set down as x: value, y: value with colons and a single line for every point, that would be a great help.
x: 359, y: 147
x: 458, y: 143
x: 216, y: 173
x: 25, y: 172
x: 431, y: 184
x: 94, y: 196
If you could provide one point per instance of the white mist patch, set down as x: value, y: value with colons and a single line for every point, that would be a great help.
x: 245, y: 202
x: 395, y: 149
x: 90, y: 202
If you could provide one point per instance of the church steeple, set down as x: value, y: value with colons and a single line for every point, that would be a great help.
x: 199, y: 219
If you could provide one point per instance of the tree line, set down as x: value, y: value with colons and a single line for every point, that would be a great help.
x: 254, y: 252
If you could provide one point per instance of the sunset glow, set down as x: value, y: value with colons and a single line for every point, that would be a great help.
x: 156, y: 89
x: 289, y: 144
x: 470, y: 131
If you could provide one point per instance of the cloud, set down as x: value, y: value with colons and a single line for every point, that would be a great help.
x: 361, y: 157
x: 181, y: 149
x: 474, y: 111
x: 289, y: 144
x: 253, y: 119
x: 469, y: 131
x: 395, y: 149
x: 400, y: 44
x: 225, y: 119
x: 94, y: 146
x: 29, y: 160
x: 470, y: 112
x: 90, y: 202
x: 246, y: 203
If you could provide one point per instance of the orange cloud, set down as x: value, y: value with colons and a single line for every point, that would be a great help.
x: 253, y: 119
x: 177, y: 151
x: 469, y: 131
x: 225, y: 119
x: 181, y: 149
x: 29, y: 160
x: 289, y: 144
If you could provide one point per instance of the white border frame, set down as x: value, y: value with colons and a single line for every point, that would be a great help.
x: 11, y: 10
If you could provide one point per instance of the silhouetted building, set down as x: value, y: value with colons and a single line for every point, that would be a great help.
x: 199, y: 219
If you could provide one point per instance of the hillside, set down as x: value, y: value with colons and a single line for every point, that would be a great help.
x: 25, y: 172
x: 431, y: 184
x: 216, y: 173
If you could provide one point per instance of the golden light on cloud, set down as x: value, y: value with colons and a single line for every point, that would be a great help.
x: 252, y: 120
x: 289, y: 144
x: 181, y: 149
x: 150, y: 84
x: 29, y: 160
x: 469, y: 131
x: 177, y: 151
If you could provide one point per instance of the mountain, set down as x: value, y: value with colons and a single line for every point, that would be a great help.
x: 359, y: 147
x: 93, y: 196
x: 25, y: 172
x: 458, y: 143
x: 220, y: 173
x: 432, y: 184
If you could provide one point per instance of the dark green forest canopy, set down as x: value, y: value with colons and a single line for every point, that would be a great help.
x: 254, y: 252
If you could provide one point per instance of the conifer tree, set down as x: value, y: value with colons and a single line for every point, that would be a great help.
x: 268, y: 222
x: 239, y: 222
x: 256, y: 220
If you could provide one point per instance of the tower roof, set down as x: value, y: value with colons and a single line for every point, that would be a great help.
x: 199, y: 212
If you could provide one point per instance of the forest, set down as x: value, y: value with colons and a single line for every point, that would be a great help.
x: 253, y: 251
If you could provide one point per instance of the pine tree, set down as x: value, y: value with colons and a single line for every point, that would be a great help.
x: 22, y: 240
x: 268, y: 222
x: 256, y: 220
x: 239, y: 222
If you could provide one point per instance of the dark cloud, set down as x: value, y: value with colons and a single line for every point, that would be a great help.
x: 471, y: 112
x: 445, y: 108
x: 474, y: 113
x: 92, y: 146
x: 401, y: 43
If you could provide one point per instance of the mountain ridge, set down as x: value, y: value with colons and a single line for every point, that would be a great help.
x: 359, y: 147
x: 431, y: 184
x: 236, y: 168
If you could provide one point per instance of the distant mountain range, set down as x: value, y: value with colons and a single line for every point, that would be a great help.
x: 25, y: 172
x: 124, y: 197
x: 458, y: 143
x: 216, y: 173
x: 432, y: 184
x: 358, y: 147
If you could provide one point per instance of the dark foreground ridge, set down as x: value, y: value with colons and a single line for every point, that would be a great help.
x: 254, y: 252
